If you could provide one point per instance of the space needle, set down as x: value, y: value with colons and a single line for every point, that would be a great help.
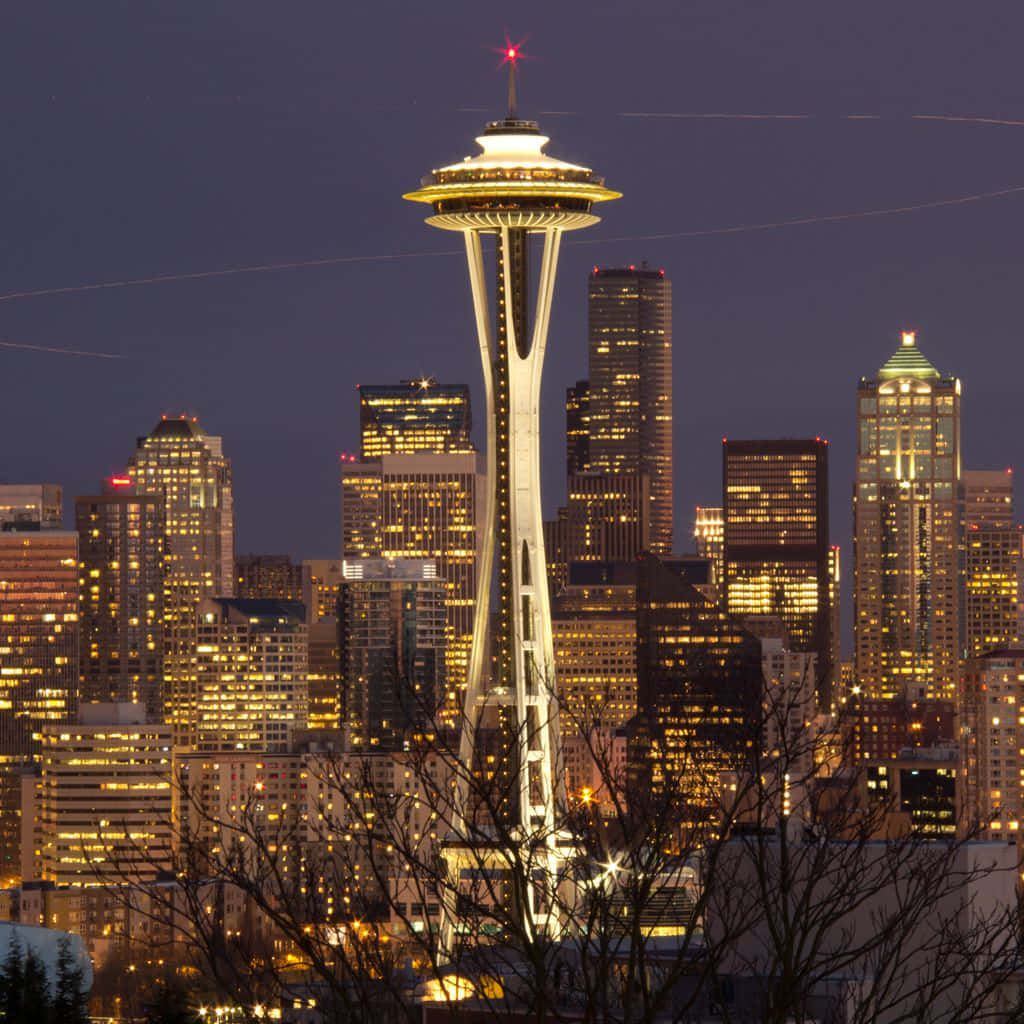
x: 511, y: 190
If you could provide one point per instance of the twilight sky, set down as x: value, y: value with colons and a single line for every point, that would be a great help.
x: 147, y: 139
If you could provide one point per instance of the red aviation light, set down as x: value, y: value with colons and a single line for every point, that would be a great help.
x: 511, y: 53
x: 120, y: 481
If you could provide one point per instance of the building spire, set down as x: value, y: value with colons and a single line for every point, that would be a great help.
x: 511, y: 54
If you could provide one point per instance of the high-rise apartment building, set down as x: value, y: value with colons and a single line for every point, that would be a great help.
x: 423, y: 506
x: 41, y: 505
x: 414, y: 416
x: 268, y: 577
x: 105, y: 797
x: 251, y: 691
x: 121, y: 538
x: 392, y: 638
x: 188, y: 469
x: 577, y: 428
x: 776, y: 543
x: 38, y: 636
x: 992, y: 738
x: 630, y: 384
x: 992, y: 561
x: 906, y: 529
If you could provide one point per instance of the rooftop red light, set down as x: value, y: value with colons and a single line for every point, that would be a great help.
x: 120, y: 481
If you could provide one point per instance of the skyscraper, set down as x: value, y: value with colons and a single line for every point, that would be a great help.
x: 38, y: 636
x: 321, y: 583
x: 40, y: 504
x: 906, y: 529
x: 250, y: 690
x: 188, y: 469
x: 699, y: 690
x: 607, y: 517
x: 630, y: 385
x: 414, y: 416
x: 577, y: 428
x: 121, y: 538
x: 709, y: 539
x: 510, y: 190
x: 992, y: 561
x: 392, y: 637
x: 273, y: 577
x: 776, y: 543
x: 423, y: 506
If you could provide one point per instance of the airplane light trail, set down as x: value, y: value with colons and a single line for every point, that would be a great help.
x: 61, y: 351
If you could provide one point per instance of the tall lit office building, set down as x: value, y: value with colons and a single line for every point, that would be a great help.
x: 423, y: 506
x: 121, y: 537
x: 250, y: 690
x: 699, y: 686
x: 38, y: 636
x: 709, y: 539
x: 776, y: 544
x: 105, y: 797
x: 577, y: 428
x: 607, y: 517
x: 39, y: 504
x: 630, y: 384
x: 991, y: 561
x: 593, y: 625
x: 392, y: 639
x: 321, y: 585
x: 414, y: 416
x: 992, y: 739
x: 270, y: 577
x: 188, y: 469
x: 906, y: 529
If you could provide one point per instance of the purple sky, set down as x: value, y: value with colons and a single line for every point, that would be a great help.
x: 144, y: 139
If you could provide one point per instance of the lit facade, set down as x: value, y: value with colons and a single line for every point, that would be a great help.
x: 709, y: 539
x: 906, y: 529
x: 269, y: 577
x: 40, y: 504
x: 608, y: 517
x: 776, y: 543
x: 105, y: 797
x: 251, y: 690
x: 577, y: 428
x: 992, y: 740
x: 630, y: 392
x: 414, y: 416
x: 992, y: 559
x: 188, y: 469
x: 392, y: 644
x: 39, y: 636
x: 510, y: 190
x: 121, y: 538
x: 424, y: 506
x: 321, y: 589
x: 699, y: 691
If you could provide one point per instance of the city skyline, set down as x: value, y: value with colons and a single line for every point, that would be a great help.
x: 742, y: 295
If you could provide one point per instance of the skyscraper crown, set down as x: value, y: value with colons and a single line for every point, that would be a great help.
x: 908, y: 361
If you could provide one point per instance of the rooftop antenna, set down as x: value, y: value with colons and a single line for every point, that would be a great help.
x: 511, y: 54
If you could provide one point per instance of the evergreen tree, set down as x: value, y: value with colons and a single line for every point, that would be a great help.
x: 36, y: 1001
x: 12, y: 982
x: 171, y: 1004
x: 69, y: 1002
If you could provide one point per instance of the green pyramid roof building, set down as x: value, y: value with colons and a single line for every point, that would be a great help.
x: 908, y: 361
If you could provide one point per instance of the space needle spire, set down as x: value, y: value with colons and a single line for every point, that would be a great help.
x: 512, y: 190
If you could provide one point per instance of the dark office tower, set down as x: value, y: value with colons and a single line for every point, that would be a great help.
x: 906, y: 529
x: 577, y: 428
x: 630, y: 403
x: 268, y: 577
x: 392, y: 632
x: 991, y: 561
x: 414, y: 416
x: 776, y: 546
x: 699, y: 686
x: 121, y: 537
x: 187, y: 468
x: 321, y: 586
x: 607, y: 519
